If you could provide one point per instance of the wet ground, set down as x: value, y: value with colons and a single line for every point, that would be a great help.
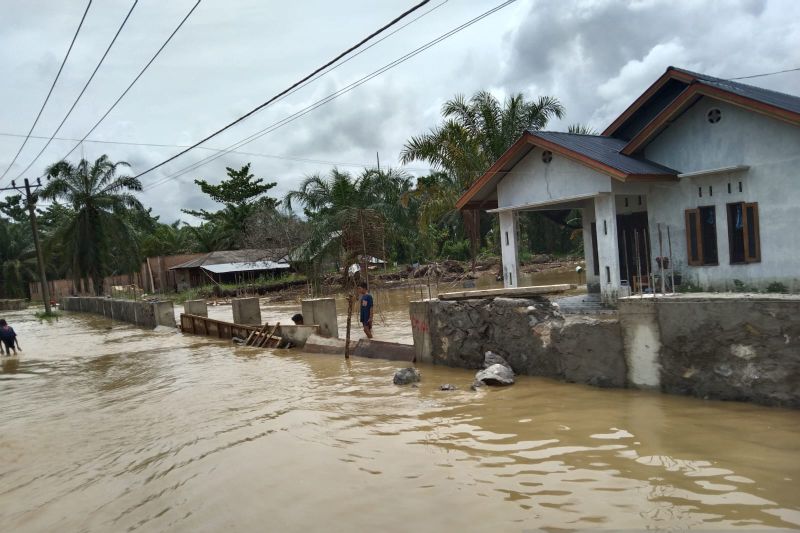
x: 106, y: 427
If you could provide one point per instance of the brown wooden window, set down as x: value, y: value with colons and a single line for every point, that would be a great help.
x: 701, y: 236
x: 744, y: 240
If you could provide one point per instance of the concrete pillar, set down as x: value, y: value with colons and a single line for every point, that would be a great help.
x: 246, y: 311
x: 322, y: 312
x: 641, y: 338
x: 587, y: 215
x: 165, y: 314
x: 195, y: 307
x: 607, y: 246
x: 509, y: 248
x: 421, y: 330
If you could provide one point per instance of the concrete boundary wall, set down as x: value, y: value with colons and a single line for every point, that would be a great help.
x: 142, y: 313
x: 714, y: 346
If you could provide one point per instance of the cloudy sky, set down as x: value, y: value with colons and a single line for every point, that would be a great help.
x: 596, y: 56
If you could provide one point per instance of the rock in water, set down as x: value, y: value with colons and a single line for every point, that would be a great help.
x: 447, y: 386
x: 491, y: 358
x: 496, y: 375
x: 406, y: 376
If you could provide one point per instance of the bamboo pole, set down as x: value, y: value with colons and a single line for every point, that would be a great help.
x: 671, y: 262
x: 661, y: 259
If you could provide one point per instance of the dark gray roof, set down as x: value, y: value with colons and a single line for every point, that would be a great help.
x: 604, y: 150
x: 782, y: 100
x: 222, y: 257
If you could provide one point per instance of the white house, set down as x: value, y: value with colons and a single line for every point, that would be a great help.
x: 708, y: 166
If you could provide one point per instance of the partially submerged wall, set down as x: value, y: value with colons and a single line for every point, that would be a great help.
x: 528, y: 332
x: 142, y: 313
x: 728, y: 347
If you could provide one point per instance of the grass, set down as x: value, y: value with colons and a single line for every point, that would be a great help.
x: 44, y: 315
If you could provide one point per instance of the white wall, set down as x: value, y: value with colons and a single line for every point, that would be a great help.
x: 509, y: 235
x: 533, y: 181
x: 772, y: 150
x: 607, y: 246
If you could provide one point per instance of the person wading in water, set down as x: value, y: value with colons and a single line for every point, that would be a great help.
x: 367, y: 308
x: 8, y: 338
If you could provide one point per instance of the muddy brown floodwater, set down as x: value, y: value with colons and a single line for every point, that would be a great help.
x: 106, y: 427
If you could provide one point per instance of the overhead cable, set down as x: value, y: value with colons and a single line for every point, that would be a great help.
x: 50, y: 92
x: 85, y: 86
x: 329, y: 98
x: 130, y: 86
x: 288, y: 89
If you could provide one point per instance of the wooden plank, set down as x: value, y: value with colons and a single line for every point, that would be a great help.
x: 264, y: 342
x: 515, y: 292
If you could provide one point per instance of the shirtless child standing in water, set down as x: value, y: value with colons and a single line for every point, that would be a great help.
x: 8, y: 338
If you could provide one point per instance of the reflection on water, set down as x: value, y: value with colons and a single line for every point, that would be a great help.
x: 121, y: 429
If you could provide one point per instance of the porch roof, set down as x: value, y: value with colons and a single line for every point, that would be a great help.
x: 598, y: 152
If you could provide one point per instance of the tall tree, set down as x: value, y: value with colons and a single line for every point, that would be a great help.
x: 241, y: 195
x: 97, y: 234
x: 475, y: 133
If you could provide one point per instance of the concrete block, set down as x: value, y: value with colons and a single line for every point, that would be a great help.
x: 297, y: 335
x: 164, y: 314
x: 322, y: 312
x: 246, y: 311
x: 195, y: 307
x: 420, y: 328
x: 392, y: 351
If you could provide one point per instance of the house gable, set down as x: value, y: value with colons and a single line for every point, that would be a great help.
x: 534, y: 182
x: 741, y: 137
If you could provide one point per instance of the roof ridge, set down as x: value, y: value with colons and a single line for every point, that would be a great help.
x: 706, y: 77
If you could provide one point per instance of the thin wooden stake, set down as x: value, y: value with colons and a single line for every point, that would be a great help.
x: 252, y: 336
x: 661, y: 259
x: 263, y: 342
x: 349, y: 322
x: 671, y: 264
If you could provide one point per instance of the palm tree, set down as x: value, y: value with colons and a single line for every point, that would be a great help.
x: 17, y: 259
x: 99, y: 234
x: 474, y: 134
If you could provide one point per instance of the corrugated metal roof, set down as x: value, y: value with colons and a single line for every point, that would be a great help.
x: 234, y: 256
x: 224, y: 268
x: 782, y: 100
x: 604, y: 150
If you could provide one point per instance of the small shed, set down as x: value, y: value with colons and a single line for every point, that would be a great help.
x: 230, y: 266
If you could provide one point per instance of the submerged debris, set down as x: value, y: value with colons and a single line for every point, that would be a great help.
x: 490, y: 358
x: 447, y: 386
x: 406, y: 376
x: 496, y: 375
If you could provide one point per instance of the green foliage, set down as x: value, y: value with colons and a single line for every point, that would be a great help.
x: 473, y: 135
x: 241, y: 194
x: 96, y: 233
x: 777, y: 287
x: 459, y: 250
x: 44, y: 315
x: 688, y: 287
x: 209, y: 291
x: 582, y: 129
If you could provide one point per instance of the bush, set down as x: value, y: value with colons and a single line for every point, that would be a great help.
x: 459, y: 250
x: 777, y: 287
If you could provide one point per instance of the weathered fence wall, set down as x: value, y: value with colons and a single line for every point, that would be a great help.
x: 528, y: 332
x: 712, y: 346
x: 13, y: 304
x: 727, y: 347
x: 142, y: 313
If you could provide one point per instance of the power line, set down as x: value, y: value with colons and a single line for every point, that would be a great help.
x: 294, y: 85
x: 212, y: 149
x: 50, y: 92
x: 330, y: 97
x: 765, y: 74
x: 86, y: 86
x: 141, y: 72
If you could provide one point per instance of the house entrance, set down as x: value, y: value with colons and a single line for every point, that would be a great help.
x: 634, y: 249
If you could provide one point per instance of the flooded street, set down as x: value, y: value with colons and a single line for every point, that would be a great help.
x: 106, y: 427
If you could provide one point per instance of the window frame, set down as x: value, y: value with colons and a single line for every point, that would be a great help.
x: 698, y: 236
x: 746, y: 225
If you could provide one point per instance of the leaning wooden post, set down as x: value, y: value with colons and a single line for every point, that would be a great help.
x: 349, y: 322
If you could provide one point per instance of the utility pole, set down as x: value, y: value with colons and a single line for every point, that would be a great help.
x: 35, y: 229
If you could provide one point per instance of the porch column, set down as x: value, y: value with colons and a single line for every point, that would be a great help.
x: 605, y: 209
x: 509, y: 248
x: 592, y: 279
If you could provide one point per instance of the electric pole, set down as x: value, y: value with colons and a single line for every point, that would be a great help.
x: 29, y: 199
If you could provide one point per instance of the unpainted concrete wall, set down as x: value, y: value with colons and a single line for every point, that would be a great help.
x: 246, y: 311
x: 733, y: 348
x: 322, y: 312
x: 142, y: 313
x: 529, y: 333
